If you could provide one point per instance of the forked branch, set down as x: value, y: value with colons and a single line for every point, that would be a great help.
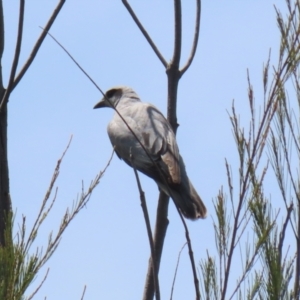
x: 174, y: 74
x: 16, y: 56
x: 38, y: 43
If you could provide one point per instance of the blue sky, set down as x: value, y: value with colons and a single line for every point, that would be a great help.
x: 106, y: 247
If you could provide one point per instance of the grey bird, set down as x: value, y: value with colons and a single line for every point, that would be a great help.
x: 165, y: 165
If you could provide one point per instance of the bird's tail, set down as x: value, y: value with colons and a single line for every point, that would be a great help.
x: 188, y: 201
x: 183, y: 194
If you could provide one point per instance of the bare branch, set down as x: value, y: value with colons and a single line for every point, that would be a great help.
x: 39, y: 218
x: 1, y: 38
x: 38, y: 44
x: 5, y: 201
x: 16, y: 56
x: 70, y: 215
x: 116, y: 110
x: 145, y: 33
x: 39, y: 286
x: 191, y: 255
x: 84, y: 289
x: 75, y: 62
x: 149, y: 232
x: 174, y: 75
x: 161, y: 226
x: 297, y: 271
x: 196, y: 37
x: 282, y: 233
x: 178, y: 32
x: 178, y: 260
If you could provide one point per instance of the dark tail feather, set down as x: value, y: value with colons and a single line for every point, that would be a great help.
x: 189, y: 202
x: 183, y: 194
x: 200, y: 208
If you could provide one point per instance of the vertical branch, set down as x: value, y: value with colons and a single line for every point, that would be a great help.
x: 297, y: 272
x: 5, y: 203
x: 5, y: 206
x: 1, y: 38
x: 173, y: 72
x: 149, y: 232
x: 173, y: 75
x: 178, y: 31
x: 162, y: 221
x: 161, y: 226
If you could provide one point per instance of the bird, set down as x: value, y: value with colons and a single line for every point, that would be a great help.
x: 162, y: 162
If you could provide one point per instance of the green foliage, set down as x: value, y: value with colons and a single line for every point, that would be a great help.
x: 271, y: 264
x: 19, y: 263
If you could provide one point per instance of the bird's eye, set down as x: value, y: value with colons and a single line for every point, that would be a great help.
x: 110, y: 93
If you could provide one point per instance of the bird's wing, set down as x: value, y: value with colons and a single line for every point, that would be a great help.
x: 164, y: 143
x: 171, y: 158
x: 154, y: 132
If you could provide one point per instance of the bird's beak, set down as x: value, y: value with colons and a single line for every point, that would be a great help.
x: 102, y: 103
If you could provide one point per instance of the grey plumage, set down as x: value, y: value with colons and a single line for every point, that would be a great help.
x: 156, y: 135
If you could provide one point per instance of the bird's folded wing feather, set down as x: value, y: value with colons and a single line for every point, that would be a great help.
x: 168, y: 151
x: 171, y: 158
x: 154, y: 131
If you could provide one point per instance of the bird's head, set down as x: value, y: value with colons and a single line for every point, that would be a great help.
x: 114, y: 95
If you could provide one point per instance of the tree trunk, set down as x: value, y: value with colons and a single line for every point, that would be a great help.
x: 5, y: 204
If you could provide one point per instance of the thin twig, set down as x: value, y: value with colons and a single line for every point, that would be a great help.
x: 149, y: 231
x: 251, y: 262
x: 196, y: 37
x: 297, y: 271
x: 263, y: 130
x: 109, y: 101
x: 37, y: 223
x: 69, y: 216
x: 75, y: 61
x: 176, y: 269
x: 282, y: 233
x: 145, y: 33
x: 39, y: 286
x: 38, y: 43
x: 16, y: 56
x: 191, y: 255
x: 230, y: 186
x: 84, y: 289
